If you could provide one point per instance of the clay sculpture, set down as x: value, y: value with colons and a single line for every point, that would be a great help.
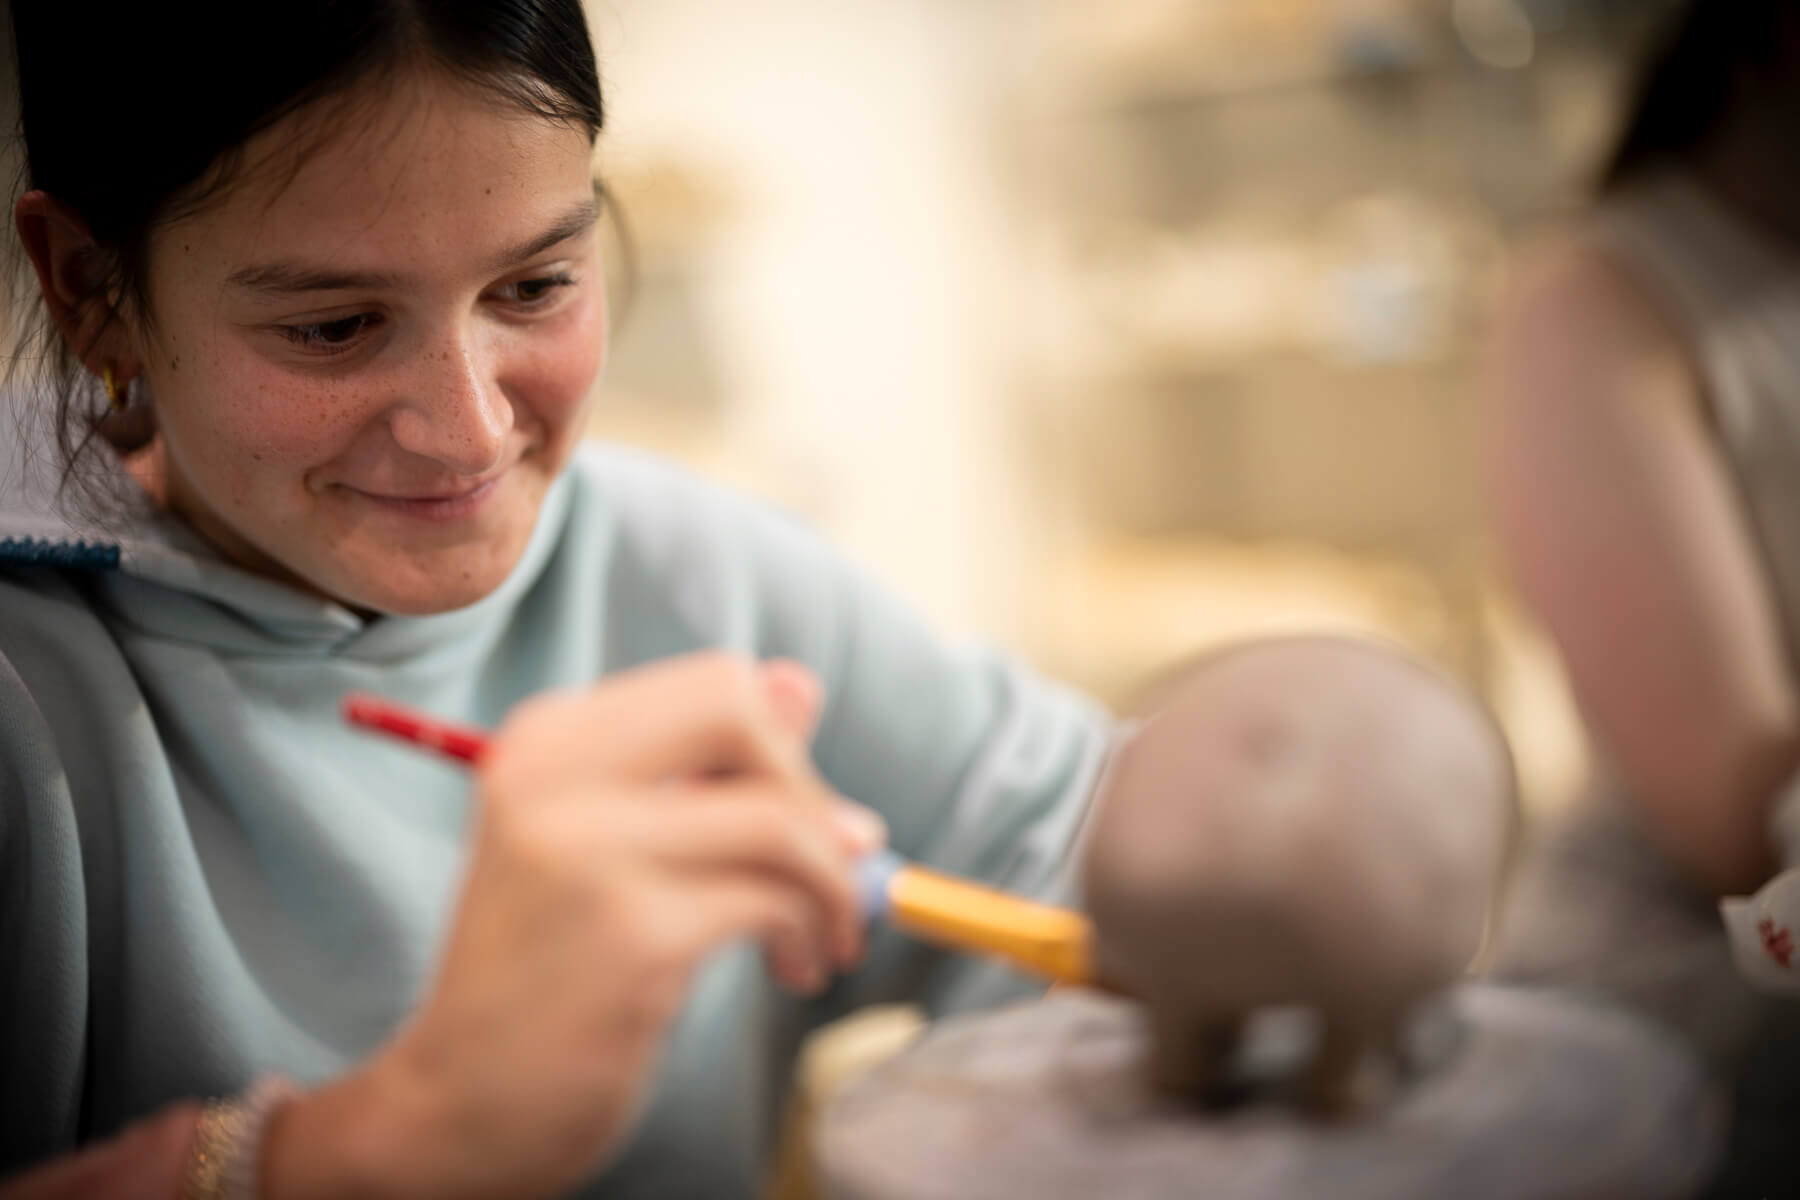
x: 1313, y: 823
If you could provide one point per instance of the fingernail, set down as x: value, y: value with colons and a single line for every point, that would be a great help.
x: 862, y: 827
x: 795, y: 694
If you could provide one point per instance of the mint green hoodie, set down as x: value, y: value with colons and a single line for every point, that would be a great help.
x: 204, y: 875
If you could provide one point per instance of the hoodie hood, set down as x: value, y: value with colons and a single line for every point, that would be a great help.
x: 162, y: 578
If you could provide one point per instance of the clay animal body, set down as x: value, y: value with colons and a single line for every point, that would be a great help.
x: 1311, y: 822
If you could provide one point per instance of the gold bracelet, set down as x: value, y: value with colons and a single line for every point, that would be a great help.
x: 228, y: 1142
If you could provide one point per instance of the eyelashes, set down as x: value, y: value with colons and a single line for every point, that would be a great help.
x: 329, y: 336
x: 532, y: 292
x: 341, y: 334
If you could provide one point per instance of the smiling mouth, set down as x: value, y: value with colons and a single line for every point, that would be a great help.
x: 451, y: 506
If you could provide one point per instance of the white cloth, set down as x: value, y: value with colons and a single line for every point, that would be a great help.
x: 1764, y: 927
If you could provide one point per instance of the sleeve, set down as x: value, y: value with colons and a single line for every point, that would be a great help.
x: 43, y: 973
x: 148, y: 1160
x: 980, y: 767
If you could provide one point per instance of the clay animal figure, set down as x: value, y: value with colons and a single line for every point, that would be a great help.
x: 1321, y: 826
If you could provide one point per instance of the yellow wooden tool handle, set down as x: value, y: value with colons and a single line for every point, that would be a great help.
x: 1051, y: 942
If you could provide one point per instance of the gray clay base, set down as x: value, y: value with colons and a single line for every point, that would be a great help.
x: 1537, y: 1097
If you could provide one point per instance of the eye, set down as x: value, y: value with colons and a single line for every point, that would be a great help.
x: 532, y: 292
x: 329, y: 335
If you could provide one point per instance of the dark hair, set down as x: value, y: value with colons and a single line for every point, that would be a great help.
x: 1690, y: 78
x: 134, y: 114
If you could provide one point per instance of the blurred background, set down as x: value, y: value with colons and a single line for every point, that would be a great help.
x: 1109, y: 330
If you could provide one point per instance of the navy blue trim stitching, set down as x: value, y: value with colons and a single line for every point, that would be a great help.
x: 51, y: 552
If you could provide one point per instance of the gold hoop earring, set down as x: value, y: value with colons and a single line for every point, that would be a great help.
x: 115, y: 391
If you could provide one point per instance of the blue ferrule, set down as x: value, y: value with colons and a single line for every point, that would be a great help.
x: 873, y: 876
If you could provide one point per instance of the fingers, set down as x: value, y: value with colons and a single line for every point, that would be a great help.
x: 692, y: 772
x: 712, y: 713
x: 721, y: 908
x: 757, y: 830
x: 676, y: 842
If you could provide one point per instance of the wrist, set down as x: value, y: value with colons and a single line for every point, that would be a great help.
x: 371, y: 1135
x: 228, y: 1141
x: 393, y: 1130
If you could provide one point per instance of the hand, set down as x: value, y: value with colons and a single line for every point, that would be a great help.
x: 623, y: 834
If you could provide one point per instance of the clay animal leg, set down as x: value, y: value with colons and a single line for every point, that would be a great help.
x: 1330, y: 1085
x: 1190, y: 1054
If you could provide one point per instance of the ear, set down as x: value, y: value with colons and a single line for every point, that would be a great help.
x: 71, y: 271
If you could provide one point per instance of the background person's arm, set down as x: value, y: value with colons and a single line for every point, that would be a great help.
x: 1616, y: 512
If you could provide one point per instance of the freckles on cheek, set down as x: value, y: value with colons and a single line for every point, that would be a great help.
x: 293, y: 425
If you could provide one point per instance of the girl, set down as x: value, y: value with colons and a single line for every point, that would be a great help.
x: 321, y: 299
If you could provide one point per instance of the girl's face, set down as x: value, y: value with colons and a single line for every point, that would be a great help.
x: 367, y: 371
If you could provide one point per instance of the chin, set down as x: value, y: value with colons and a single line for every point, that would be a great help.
x: 429, y: 601
x: 399, y: 585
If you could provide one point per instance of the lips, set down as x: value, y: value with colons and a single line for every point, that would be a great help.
x: 435, y: 506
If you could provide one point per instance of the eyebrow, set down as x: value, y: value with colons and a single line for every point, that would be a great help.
x: 289, y: 277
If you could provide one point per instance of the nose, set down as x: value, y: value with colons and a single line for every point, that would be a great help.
x: 454, y: 411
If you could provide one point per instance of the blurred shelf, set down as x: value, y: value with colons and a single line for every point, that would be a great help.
x: 1377, y: 459
x: 1126, y: 608
x: 1157, y: 365
x: 1167, y: 92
